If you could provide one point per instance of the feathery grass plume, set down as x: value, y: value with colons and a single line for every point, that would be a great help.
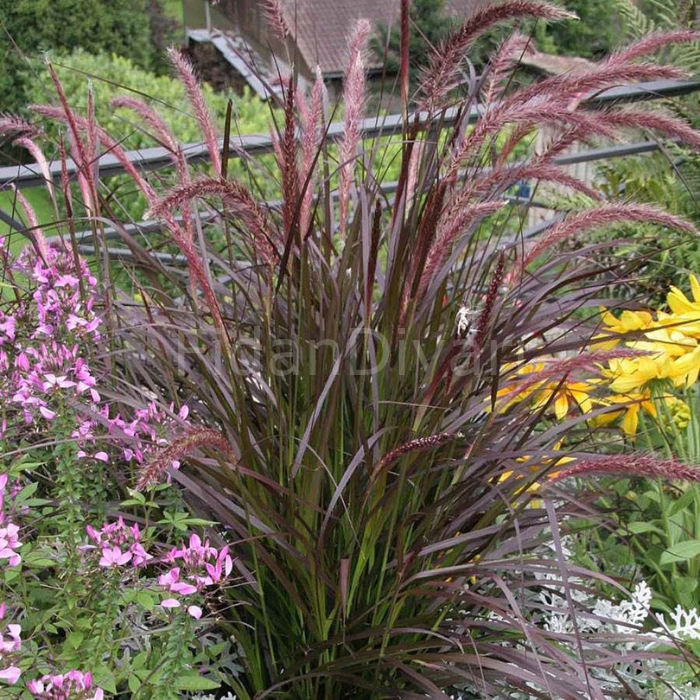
x: 166, y: 138
x: 181, y: 237
x: 185, y: 71
x: 568, y: 89
x: 417, y: 445
x: 108, y: 143
x: 35, y: 151
x: 11, y: 125
x: 359, y: 389
x: 273, y: 13
x: 442, y: 74
x: 161, y: 130
x: 354, y: 100
x: 79, y: 156
x: 537, y: 113
x: 312, y: 122
x: 604, y: 215
x: 501, y: 65
x: 36, y: 235
x: 196, y: 438
x: 665, y: 124
x: 450, y: 231
x: 492, y: 294
x: 424, y: 239
x: 505, y: 176
x: 630, y: 465
x: 653, y: 43
x: 235, y: 196
x: 288, y: 166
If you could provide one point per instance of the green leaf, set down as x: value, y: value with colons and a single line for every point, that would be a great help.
x: 27, y: 492
x: 683, y: 502
x: 134, y: 683
x: 193, y: 681
x: 75, y: 639
x: 145, y: 600
x: 683, y: 551
x: 638, y: 528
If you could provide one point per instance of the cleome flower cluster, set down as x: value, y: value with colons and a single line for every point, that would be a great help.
x: 50, y: 328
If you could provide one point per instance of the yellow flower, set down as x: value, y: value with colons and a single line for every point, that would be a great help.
x: 629, y: 375
x: 629, y: 322
x: 681, y: 305
x: 562, y: 395
x: 665, y: 341
x: 565, y: 395
x: 536, y: 465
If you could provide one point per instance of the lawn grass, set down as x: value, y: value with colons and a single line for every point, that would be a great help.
x: 39, y: 199
x: 173, y: 9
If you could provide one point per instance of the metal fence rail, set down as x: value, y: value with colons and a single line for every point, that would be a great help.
x: 25, y: 176
x: 256, y: 144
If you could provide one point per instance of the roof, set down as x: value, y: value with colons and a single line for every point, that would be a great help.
x: 554, y: 65
x: 321, y: 27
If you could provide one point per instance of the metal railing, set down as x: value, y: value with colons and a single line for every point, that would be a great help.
x: 156, y: 158
x: 255, y: 144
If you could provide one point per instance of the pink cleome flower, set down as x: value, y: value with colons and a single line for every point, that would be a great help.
x: 73, y: 685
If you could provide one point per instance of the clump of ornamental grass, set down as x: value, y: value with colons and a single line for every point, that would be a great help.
x: 345, y: 353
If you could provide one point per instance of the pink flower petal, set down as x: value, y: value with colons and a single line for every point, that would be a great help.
x: 195, y: 611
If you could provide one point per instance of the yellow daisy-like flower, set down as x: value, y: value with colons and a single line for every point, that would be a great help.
x: 679, y: 302
x: 630, y: 375
x: 629, y: 322
x: 632, y: 405
x: 562, y: 395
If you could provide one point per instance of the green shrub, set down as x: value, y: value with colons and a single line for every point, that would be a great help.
x: 123, y: 27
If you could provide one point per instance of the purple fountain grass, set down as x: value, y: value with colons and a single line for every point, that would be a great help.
x: 417, y: 445
x: 161, y: 130
x: 11, y: 125
x: 289, y: 167
x: 487, y: 309
x: 272, y: 11
x: 500, y: 67
x: 354, y: 99
x: 570, y: 88
x: 651, y: 44
x: 312, y: 122
x: 449, y: 231
x: 35, y: 233
x: 194, y: 439
x: 236, y: 196
x: 108, y: 143
x: 537, y: 113
x: 29, y: 145
x: 603, y: 215
x: 504, y: 177
x: 560, y: 369
x: 79, y: 156
x: 442, y: 74
x: 630, y: 465
x: 668, y: 125
x: 186, y: 74
x: 354, y: 459
x: 167, y: 139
